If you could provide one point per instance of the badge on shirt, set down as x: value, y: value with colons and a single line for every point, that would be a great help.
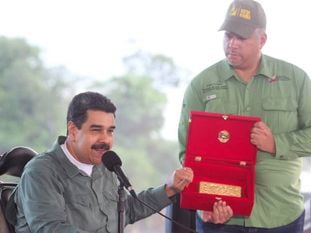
x: 273, y: 79
x: 211, y: 97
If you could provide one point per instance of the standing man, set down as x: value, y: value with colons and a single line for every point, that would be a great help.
x: 248, y: 82
x: 68, y: 189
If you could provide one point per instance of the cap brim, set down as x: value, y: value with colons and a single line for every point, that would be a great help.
x: 238, y: 28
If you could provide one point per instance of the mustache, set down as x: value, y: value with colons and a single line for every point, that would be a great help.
x: 104, y: 146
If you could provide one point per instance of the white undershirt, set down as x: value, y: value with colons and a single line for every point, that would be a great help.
x: 87, y: 168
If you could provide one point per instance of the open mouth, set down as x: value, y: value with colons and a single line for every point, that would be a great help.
x: 100, y: 149
x: 99, y: 152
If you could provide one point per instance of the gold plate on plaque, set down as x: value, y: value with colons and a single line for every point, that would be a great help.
x: 223, y: 136
x: 220, y: 189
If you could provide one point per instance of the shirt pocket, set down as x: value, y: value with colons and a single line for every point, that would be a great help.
x: 280, y: 114
x: 284, y: 104
x: 217, y: 101
x: 80, y: 201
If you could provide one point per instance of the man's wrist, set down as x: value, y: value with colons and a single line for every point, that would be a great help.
x: 170, y: 190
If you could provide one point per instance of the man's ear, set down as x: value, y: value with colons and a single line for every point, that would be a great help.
x: 71, y: 130
x: 263, y: 39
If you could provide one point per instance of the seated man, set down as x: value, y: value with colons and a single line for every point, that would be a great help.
x: 69, y: 189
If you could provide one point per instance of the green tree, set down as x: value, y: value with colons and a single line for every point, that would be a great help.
x: 32, y: 108
x: 160, y: 68
x: 140, y: 107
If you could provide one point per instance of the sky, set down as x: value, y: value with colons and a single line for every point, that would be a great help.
x: 90, y: 37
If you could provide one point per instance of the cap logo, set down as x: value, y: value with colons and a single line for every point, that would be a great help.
x: 241, y: 12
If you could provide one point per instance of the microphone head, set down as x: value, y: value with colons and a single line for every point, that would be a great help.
x: 110, y: 159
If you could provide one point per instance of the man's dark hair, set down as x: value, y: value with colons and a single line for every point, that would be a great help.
x: 77, y: 110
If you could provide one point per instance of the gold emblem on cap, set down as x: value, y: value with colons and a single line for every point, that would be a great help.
x: 223, y: 136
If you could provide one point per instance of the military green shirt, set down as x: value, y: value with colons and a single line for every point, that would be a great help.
x: 280, y: 93
x: 55, y: 196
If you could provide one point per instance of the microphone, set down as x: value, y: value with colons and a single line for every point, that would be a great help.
x: 113, y: 163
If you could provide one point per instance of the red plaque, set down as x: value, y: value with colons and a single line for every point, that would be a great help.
x: 223, y: 160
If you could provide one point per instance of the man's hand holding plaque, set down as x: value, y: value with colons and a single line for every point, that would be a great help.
x: 221, y: 213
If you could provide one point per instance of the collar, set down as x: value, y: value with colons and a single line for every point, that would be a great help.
x: 87, y: 168
x: 264, y: 69
x: 71, y: 169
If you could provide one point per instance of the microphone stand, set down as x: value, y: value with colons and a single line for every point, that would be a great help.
x: 121, y: 208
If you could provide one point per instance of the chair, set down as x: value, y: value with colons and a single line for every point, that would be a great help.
x: 5, y: 192
x: 11, y: 163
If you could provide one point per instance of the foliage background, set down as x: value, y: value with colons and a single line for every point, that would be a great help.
x: 34, y: 100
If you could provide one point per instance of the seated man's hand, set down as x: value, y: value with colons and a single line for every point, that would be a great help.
x: 181, y: 178
x: 221, y: 213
